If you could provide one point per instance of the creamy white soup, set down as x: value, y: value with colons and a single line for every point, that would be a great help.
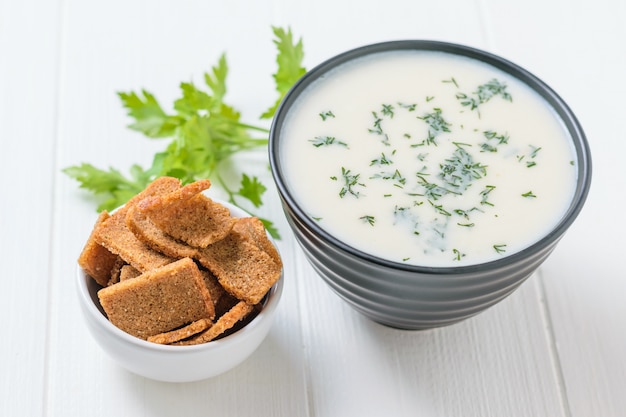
x: 427, y: 158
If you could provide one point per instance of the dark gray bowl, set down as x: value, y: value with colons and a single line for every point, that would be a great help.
x: 417, y: 297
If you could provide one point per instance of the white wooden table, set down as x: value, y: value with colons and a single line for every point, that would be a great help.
x: 556, y: 347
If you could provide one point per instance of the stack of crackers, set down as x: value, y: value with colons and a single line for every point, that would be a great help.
x: 176, y: 268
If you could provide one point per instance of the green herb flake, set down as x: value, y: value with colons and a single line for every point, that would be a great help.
x: 491, y: 89
x: 408, y: 107
x: 500, y: 248
x: 368, y: 219
x: 494, y: 139
x: 382, y: 160
x: 320, y: 141
x: 387, y: 110
x: 326, y: 115
x: 460, y: 170
x: 485, y: 195
x: 378, y: 130
x: 457, y: 255
x: 530, y: 156
x: 351, y: 181
x: 439, y: 209
x: 483, y: 94
x: 451, y: 81
x: 395, y: 176
x: 436, y: 125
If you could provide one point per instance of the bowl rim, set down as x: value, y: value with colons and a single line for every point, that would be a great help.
x: 270, y: 303
x: 570, y: 121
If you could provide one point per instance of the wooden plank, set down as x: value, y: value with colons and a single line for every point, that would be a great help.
x: 582, y: 52
x: 28, y: 74
x: 497, y: 363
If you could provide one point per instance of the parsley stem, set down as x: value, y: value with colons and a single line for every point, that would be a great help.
x: 252, y: 127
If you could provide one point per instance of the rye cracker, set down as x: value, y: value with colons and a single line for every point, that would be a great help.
x: 239, y: 312
x: 158, y: 301
x: 242, y: 268
x: 182, y: 333
x: 222, y: 299
x: 255, y: 229
x: 116, y: 271
x: 148, y: 233
x: 114, y: 234
x: 188, y: 215
x: 95, y: 259
x: 129, y: 272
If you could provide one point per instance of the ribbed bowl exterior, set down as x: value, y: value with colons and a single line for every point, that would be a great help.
x: 413, y: 297
x: 410, y: 299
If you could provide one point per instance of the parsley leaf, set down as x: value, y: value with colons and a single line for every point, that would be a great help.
x: 150, y: 119
x: 252, y: 189
x: 111, y: 183
x: 290, y: 69
x: 204, y: 133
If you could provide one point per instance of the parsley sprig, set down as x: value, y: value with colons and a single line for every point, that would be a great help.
x: 204, y: 131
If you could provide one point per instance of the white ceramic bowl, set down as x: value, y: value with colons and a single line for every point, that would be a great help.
x: 175, y: 363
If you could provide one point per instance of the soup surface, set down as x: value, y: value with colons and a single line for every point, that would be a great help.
x: 427, y: 158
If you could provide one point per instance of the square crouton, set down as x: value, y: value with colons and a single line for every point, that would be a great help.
x: 114, y: 234
x: 236, y: 314
x: 255, y: 230
x: 243, y: 268
x: 158, y: 301
x: 222, y: 299
x: 128, y: 272
x: 188, y: 215
x: 97, y: 261
x: 148, y: 233
x: 182, y: 333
